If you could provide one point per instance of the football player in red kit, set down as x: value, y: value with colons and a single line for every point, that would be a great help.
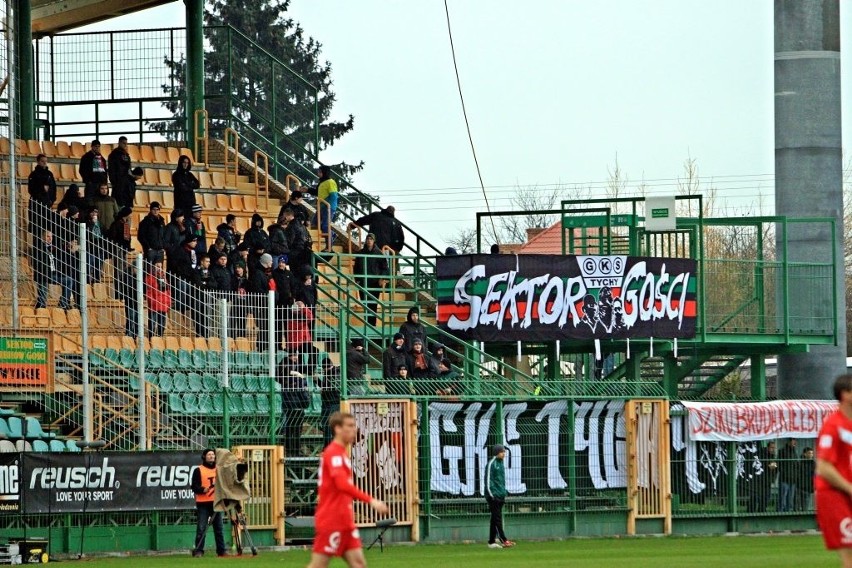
x: 833, y: 483
x: 336, y: 534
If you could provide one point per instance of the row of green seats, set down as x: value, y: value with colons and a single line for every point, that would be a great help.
x: 179, y: 381
x: 170, y: 360
x: 238, y: 404
x: 7, y: 446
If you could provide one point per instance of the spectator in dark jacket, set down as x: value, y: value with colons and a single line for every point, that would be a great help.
x: 283, y: 283
x: 125, y: 292
x: 239, y: 257
x: 174, y: 233
x: 257, y: 238
x: 356, y: 360
x: 152, y: 231
x: 220, y: 272
x: 126, y: 197
x: 239, y: 306
x: 304, y: 288
x: 394, y: 356
x: 67, y: 241
x: 261, y: 282
x: 296, y: 203
x: 41, y: 186
x: 182, y: 262
x: 72, y: 198
x: 93, y: 169
x: 228, y: 231
x: 278, y: 238
x: 805, y: 484
x: 106, y: 205
x: 118, y: 167
x: 195, y: 226
x: 204, y: 285
x: 159, y: 299
x: 371, y: 268
x: 185, y: 183
x: 46, y: 271
x: 119, y: 232
x: 422, y: 367
x: 297, y: 242
x: 412, y: 329
x: 329, y: 387
x: 295, y: 399
x: 385, y: 227
x: 217, y: 249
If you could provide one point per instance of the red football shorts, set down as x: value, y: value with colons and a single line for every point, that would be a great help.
x: 834, y: 517
x: 336, y: 543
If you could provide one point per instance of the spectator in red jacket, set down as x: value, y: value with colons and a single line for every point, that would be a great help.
x: 299, y: 336
x: 159, y: 298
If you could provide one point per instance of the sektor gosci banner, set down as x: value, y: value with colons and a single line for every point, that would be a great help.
x: 99, y: 482
x: 549, y: 297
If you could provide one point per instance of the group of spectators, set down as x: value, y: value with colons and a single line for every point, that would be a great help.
x: 793, y: 472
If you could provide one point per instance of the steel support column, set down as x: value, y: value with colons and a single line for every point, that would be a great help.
x: 25, y: 74
x: 194, y: 61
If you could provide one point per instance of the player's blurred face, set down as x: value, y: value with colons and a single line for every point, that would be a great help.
x: 346, y: 431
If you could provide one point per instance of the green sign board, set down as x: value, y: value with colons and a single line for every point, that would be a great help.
x: 24, y: 361
x: 591, y: 221
x: 660, y: 213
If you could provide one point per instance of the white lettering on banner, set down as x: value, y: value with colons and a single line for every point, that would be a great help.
x: 645, y: 297
x: 679, y: 444
x: 96, y: 477
x: 164, y: 475
x: 446, y: 475
x: 511, y: 412
x: 750, y: 421
x: 607, y: 453
x: 553, y: 411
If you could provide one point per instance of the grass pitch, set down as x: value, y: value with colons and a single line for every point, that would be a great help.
x: 687, y: 552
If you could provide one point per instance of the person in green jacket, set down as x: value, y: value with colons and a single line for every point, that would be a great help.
x: 495, y: 494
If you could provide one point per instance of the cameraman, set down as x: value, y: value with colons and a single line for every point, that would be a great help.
x: 204, y: 487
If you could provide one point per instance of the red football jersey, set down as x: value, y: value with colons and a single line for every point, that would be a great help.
x: 835, y: 446
x: 336, y: 490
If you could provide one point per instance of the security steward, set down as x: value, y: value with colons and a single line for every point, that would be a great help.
x: 204, y: 487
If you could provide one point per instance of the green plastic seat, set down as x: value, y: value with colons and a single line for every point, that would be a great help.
x: 96, y: 359
x: 278, y: 399
x: 199, y: 360
x: 40, y: 446
x: 34, y: 429
x: 170, y: 360
x: 71, y: 446
x: 111, y: 358
x: 16, y: 427
x: 205, y: 403
x: 241, y: 361
x: 249, y: 404
x: 175, y: 403
x: 152, y: 378
x: 5, y: 432
x: 218, y: 403
x: 258, y: 361
x: 252, y: 383
x: 184, y: 359
x: 280, y: 355
x: 214, y: 360
x: 127, y: 358
x: 190, y: 403
x: 238, y: 382
x: 181, y: 382
x: 211, y: 383
x: 196, y: 384
x: 133, y: 381
x: 166, y: 383
x: 235, y: 404
x: 155, y: 360
x: 262, y: 403
x: 57, y: 446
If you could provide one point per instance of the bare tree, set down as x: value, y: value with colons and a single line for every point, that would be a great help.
x: 463, y: 240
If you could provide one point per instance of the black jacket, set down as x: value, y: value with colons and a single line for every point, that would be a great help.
x: 221, y: 277
x: 118, y: 166
x: 277, y: 240
x: 355, y: 362
x: 256, y: 237
x: 173, y: 235
x: 232, y: 238
x: 302, y: 213
x: 411, y: 331
x: 392, y: 359
x: 87, y: 168
x: 375, y: 265
x: 204, y: 280
x: 42, y: 253
x: 180, y: 263
x: 185, y: 184
x: 152, y: 233
x: 294, y: 382
x: 39, y: 178
x: 259, y: 282
x: 283, y: 286
x: 297, y: 243
x: 387, y: 230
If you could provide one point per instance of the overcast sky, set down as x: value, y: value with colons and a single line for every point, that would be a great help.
x: 555, y: 90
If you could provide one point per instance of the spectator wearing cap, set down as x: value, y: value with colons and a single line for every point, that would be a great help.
x: 412, y: 329
x: 422, y: 367
x: 195, y: 226
x: 257, y: 240
x: 185, y: 183
x: 451, y: 252
x: 182, y: 264
x: 400, y: 384
x: 296, y: 203
x: 385, y: 227
x: 152, y: 231
x: 119, y: 231
x: 327, y: 197
x: 205, y: 284
x: 356, y: 361
x: 46, y: 271
x: 220, y: 272
x: 239, y: 304
x: 394, y: 356
x: 495, y: 495
x: 298, y: 242
x: 106, y: 205
x: 240, y: 257
x: 159, y: 299
x: 68, y: 247
x: 228, y: 231
x: 97, y: 250
x: 371, y: 268
x: 41, y: 185
x: 118, y: 168
x: 283, y: 282
x: 305, y: 289
x: 93, y: 169
x: 261, y: 283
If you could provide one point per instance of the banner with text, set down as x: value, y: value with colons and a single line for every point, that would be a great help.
x: 550, y: 297
x: 10, y: 483
x: 100, y: 482
x: 751, y: 421
x: 25, y: 361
